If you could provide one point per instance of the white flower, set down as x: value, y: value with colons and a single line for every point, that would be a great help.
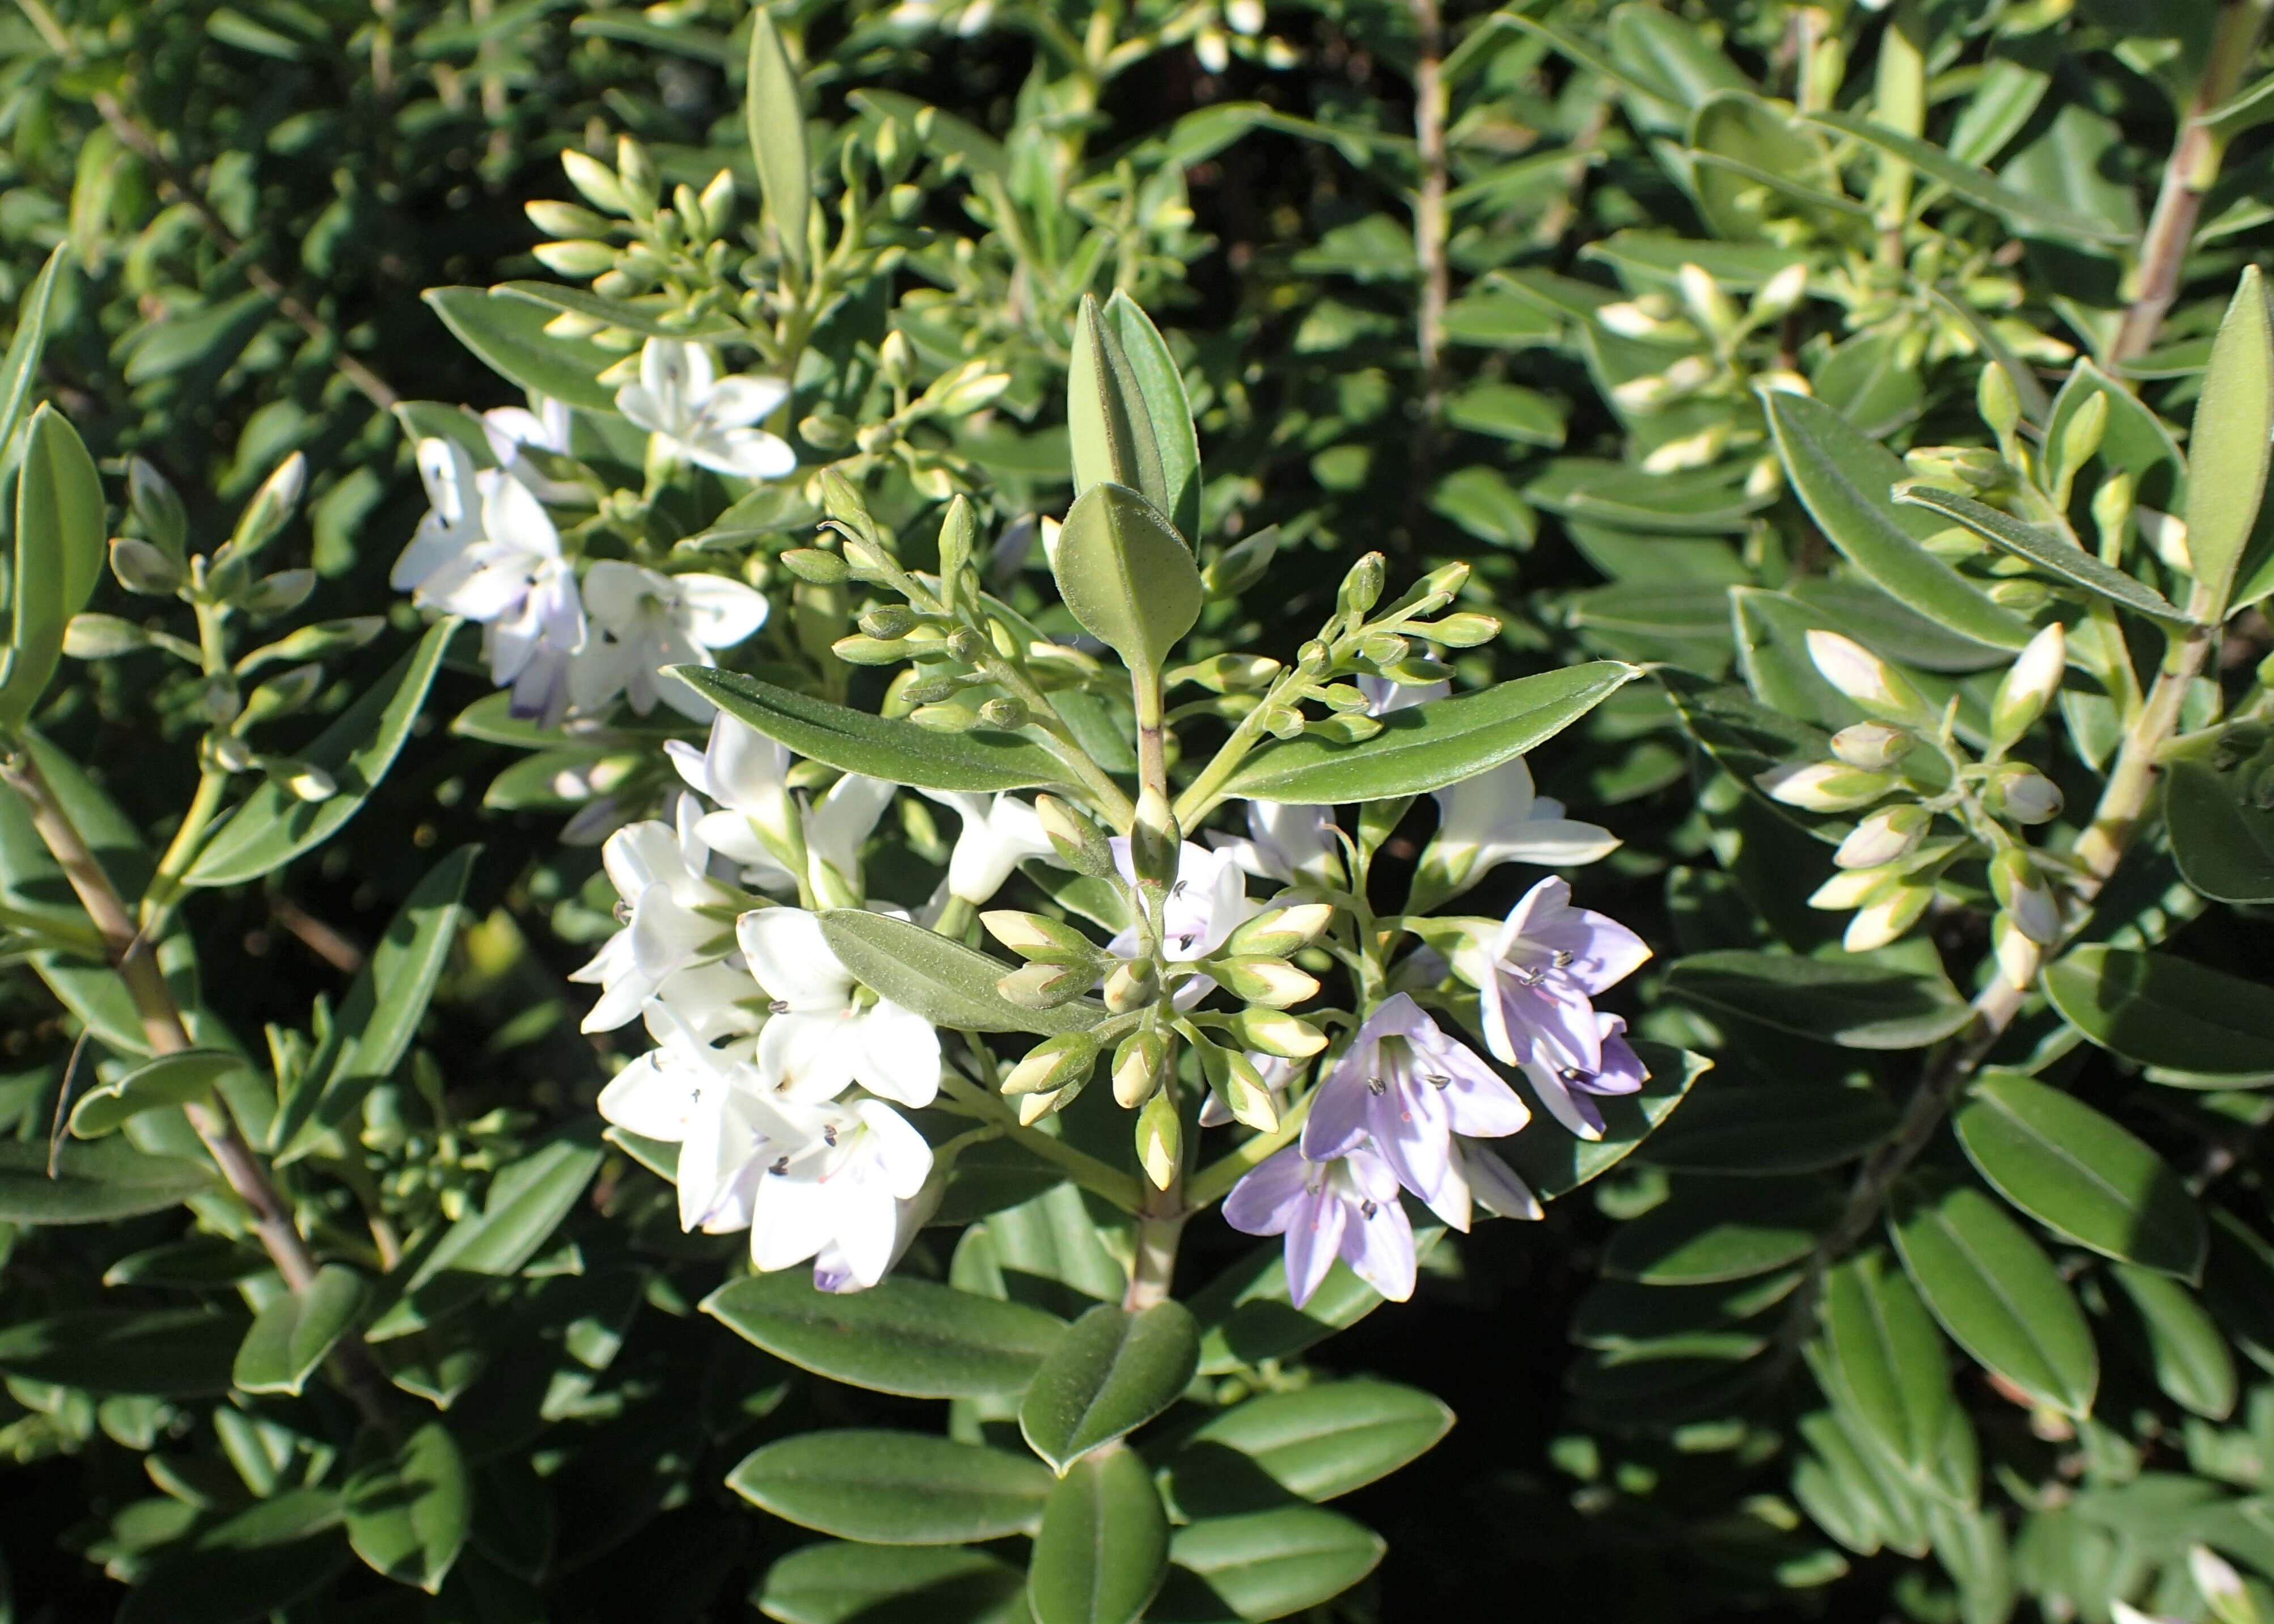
x: 745, y: 773
x: 660, y: 873
x: 647, y: 622
x: 513, y: 431
x: 488, y: 551
x: 835, y: 830
x: 997, y: 837
x: 827, y: 1032
x: 704, y: 418
x: 837, y: 1189
x: 1496, y: 818
x: 1383, y: 697
x: 1293, y: 844
x: 835, y: 1268
x: 710, y: 1103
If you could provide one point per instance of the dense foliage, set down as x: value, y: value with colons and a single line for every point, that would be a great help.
x: 868, y: 811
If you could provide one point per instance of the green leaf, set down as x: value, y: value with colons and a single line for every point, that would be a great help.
x: 21, y: 363
x: 894, y: 1488
x: 1886, y: 1358
x: 507, y: 335
x: 2080, y: 1175
x: 93, y: 1184
x: 1996, y: 1292
x: 854, y: 742
x: 774, y: 113
x: 2048, y: 552
x: 1313, y: 1443
x: 2222, y: 845
x: 1508, y: 411
x: 1126, y: 576
x: 375, y: 1025
x: 1427, y: 746
x: 526, y: 1202
x: 642, y: 318
x: 171, y: 1353
x: 168, y: 1080
x: 941, y: 979
x: 60, y: 530
x: 2163, y: 1010
x: 1844, y: 480
x: 217, y: 1584
x: 1146, y: 374
x: 1555, y: 1165
x: 1263, y: 1565
x: 274, y: 826
x: 408, y: 1512
x: 1703, y: 1235
x: 1858, y: 1000
x: 2193, y: 1363
x: 902, y: 1335
x: 292, y: 1334
x: 837, y: 1583
x: 1751, y: 1128
x: 2233, y: 438
x: 1112, y: 1372
x: 1247, y: 1317
x: 2007, y: 206
x: 1103, y: 1545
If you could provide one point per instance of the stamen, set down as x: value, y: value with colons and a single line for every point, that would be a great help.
x: 1375, y: 1086
x: 829, y: 1136
x: 1563, y: 957
x: 1178, y: 890
x: 1438, y: 1079
x: 780, y: 1167
x: 1572, y: 1074
x: 1527, y: 977
x: 624, y: 912
x: 1367, y: 1208
x: 779, y: 1006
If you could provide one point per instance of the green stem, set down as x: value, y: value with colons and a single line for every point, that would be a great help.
x: 1110, y: 1183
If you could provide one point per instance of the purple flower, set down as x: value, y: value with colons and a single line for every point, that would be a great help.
x: 1402, y: 1089
x: 1536, y: 978
x: 1344, y: 1208
x: 1564, y: 1090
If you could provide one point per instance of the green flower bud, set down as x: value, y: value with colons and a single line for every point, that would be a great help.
x: 144, y: 569
x: 1155, y: 839
x: 2028, y: 685
x: 272, y: 505
x: 1872, y: 746
x: 1160, y: 1139
x: 1233, y: 1078
x: 1825, y: 786
x: 1131, y: 985
x: 1361, y: 588
x: 637, y: 174
x: 1053, y: 1064
x: 1007, y: 713
x: 1075, y: 838
x: 1461, y: 631
x: 1272, y: 982
x: 1141, y: 1066
x: 1039, y: 939
x: 1047, y: 986
x: 157, y: 509
x: 1274, y: 1032
x: 102, y: 637
x: 596, y: 181
x: 815, y: 566
x: 575, y: 258
x: 1280, y: 932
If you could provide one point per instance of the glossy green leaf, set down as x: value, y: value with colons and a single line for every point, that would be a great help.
x: 941, y: 979
x: 60, y: 530
x: 1844, y: 480
x: 838, y: 1583
x: 2016, y: 209
x: 167, y: 1353
x: 1313, y: 1443
x: 773, y: 113
x: 93, y: 1184
x: 1887, y: 1361
x: 2229, y: 451
x: 2080, y: 1175
x: 1429, y: 745
x: 1996, y: 1292
x: 507, y: 335
x: 1551, y: 1165
x: 21, y: 363
x: 2193, y: 1364
x: 1246, y: 1316
x: 1856, y: 1000
x: 2164, y: 1011
x: 1112, y: 1372
x: 1103, y: 1545
x: 1739, y: 1127
x: 894, y: 1488
x: 2223, y: 845
x: 1702, y: 501
x: 525, y: 1203
x: 274, y: 826
x: 375, y: 1023
x: 854, y: 742
x: 1146, y: 368
x: 409, y: 1510
x: 1711, y: 1233
x: 902, y: 1335
x: 168, y: 1080
x: 642, y: 318
x: 1126, y: 576
x: 293, y: 1333
x: 1044, y: 1251
x: 2048, y: 552
x: 1263, y: 1565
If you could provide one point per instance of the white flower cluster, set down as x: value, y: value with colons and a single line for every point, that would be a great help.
x: 488, y: 549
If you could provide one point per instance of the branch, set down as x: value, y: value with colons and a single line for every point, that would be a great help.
x: 1430, y: 233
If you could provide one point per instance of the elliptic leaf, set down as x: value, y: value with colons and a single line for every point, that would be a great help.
x: 1112, y: 1372
x: 292, y: 1334
x: 168, y: 1080
x: 60, y: 529
x: 2233, y: 438
x: 2223, y: 845
x: 838, y: 1582
x: 1103, y: 1543
x: 1702, y: 1235
x: 1313, y: 1443
x: 902, y: 1335
x: 775, y: 115
x: 1126, y: 575
x: 2048, y: 552
x: 1263, y: 1565
x: 2164, y: 1011
x: 1856, y: 1000
x: 941, y: 979
x: 2193, y: 1363
x: 507, y: 335
x: 93, y: 1184
x: 1886, y: 1358
x: 894, y: 1488
x: 409, y: 1510
x: 169, y: 1353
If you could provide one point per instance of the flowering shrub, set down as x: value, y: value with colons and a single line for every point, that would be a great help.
x: 1045, y: 694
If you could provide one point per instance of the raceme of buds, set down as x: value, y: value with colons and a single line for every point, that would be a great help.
x: 1878, y: 687
x: 1872, y: 746
x: 1884, y: 836
x: 1825, y: 786
x: 2028, y: 685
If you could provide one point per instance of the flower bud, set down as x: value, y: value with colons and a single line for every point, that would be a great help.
x: 1233, y: 1078
x: 1005, y: 712
x: 1884, y: 836
x: 2221, y: 1585
x: 2022, y: 893
x: 1872, y: 746
x: 1825, y: 786
x: 102, y: 637
x: 231, y: 754
x: 1852, y: 888
x: 1241, y: 565
x: 1313, y: 658
x: 1863, y: 676
x: 1140, y: 1065
x: 1780, y: 293
x: 1132, y: 985
x: 575, y: 258
x: 863, y: 650
x: 1882, y: 919
x: 1461, y: 631
x: 2112, y: 512
x: 1038, y: 940
x: 1034, y: 1107
x: 1999, y: 406
x: 595, y: 180
x: 144, y: 569
x: 2025, y: 795
x: 1161, y: 1139
x: 2023, y: 598
x: 1229, y: 673
x: 716, y: 202
x: 303, y: 780
x: 563, y: 220
x: 2019, y: 959
x: 1272, y: 982
x: 1155, y: 838
x: 1628, y: 320
x: 280, y: 593
x: 813, y: 564
x: 1046, y: 986
x: 165, y: 522
x: 271, y: 506
x: 895, y: 359
x: 282, y: 695
x: 889, y: 621
x: 1072, y: 835
x: 1274, y: 1032
x: 2029, y: 686
x: 317, y: 641
x: 1361, y: 588
x: 1384, y: 648
x: 2081, y: 439
x: 1711, y: 308
x: 636, y: 172
x: 1053, y: 1064
x: 1278, y: 932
